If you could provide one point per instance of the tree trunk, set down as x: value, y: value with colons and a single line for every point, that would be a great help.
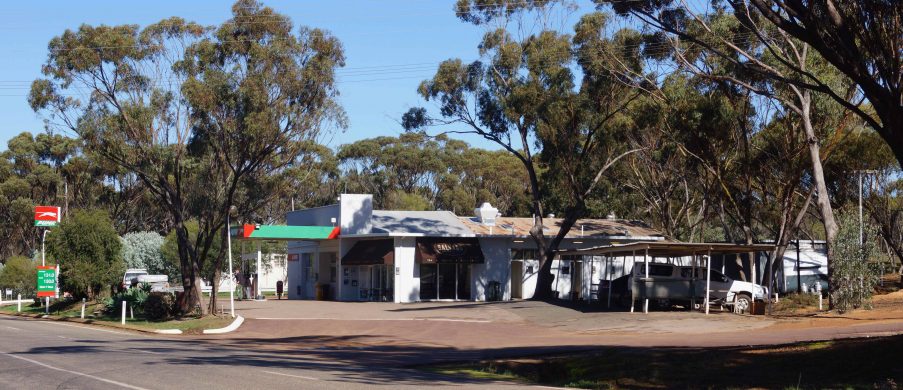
x: 191, y: 275
x: 818, y: 175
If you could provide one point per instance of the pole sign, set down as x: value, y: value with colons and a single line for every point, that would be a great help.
x: 46, y: 216
x: 46, y: 281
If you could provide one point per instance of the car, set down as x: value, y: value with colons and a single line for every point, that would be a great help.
x: 136, y: 276
x: 670, y: 284
x: 130, y: 278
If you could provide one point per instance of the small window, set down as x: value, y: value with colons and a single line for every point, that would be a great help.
x: 566, y: 270
x: 529, y: 269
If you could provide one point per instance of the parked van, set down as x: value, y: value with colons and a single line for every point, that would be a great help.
x: 670, y: 285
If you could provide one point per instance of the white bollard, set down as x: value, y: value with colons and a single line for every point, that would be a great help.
x: 83, y: 308
x: 818, y: 291
x: 123, y: 312
x: 131, y: 312
x: 18, y: 303
x: 47, y: 305
x: 777, y: 299
x: 646, y: 306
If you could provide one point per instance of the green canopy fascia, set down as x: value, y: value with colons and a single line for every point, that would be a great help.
x: 284, y: 233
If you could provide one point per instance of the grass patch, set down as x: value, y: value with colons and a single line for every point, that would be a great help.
x: 94, y: 314
x: 858, y: 363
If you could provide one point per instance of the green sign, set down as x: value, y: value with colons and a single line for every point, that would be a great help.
x: 46, y: 281
x: 45, y: 223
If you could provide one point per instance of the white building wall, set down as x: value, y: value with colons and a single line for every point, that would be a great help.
x: 530, y: 275
x: 497, y: 267
x: 407, y: 274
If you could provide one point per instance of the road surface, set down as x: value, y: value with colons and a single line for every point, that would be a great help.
x: 37, y: 354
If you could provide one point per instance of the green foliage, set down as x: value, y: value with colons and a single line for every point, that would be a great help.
x: 19, y: 274
x: 853, y: 278
x: 89, y: 252
x: 135, y: 298
x: 158, y: 306
x: 143, y: 250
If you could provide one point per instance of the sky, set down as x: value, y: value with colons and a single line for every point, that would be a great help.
x: 390, y: 46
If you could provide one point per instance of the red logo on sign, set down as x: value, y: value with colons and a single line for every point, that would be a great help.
x: 47, y: 213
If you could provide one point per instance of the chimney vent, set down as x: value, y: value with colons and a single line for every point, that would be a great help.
x: 486, y: 214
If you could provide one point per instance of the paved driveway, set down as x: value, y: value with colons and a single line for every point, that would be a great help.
x: 386, y: 334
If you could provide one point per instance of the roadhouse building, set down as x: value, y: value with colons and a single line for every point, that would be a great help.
x: 411, y: 256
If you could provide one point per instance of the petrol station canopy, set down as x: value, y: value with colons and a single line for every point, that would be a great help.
x: 284, y: 233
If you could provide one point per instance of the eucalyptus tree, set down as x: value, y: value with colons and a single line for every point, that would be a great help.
x: 549, y: 99
x: 206, y: 118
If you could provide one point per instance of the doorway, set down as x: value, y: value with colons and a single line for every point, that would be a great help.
x: 444, y: 281
x: 517, y: 279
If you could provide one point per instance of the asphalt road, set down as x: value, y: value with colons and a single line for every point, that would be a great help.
x: 37, y: 354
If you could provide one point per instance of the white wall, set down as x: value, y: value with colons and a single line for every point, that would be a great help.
x: 497, y: 252
x: 407, y: 273
x: 317, y: 216
x: 356, y: 210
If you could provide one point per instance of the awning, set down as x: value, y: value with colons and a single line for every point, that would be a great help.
x: 284, y: 233
x: 448, y: 250
x: 672, y: 249
x: 370, y: 252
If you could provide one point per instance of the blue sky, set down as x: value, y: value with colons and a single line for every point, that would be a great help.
x: 390, y: 46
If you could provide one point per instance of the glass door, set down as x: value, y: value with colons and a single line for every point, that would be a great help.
x: 427, y: 282
x: 447, y: 280
x: 463, y: 281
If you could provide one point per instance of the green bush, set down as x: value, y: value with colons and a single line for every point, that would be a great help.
x: 853, y: 279
x: 20, y: 275
x: 135, y: 297
x: 158, y: 306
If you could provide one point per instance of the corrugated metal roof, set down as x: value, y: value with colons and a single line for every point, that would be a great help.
x: 426, y: 223
x: 513, y: 226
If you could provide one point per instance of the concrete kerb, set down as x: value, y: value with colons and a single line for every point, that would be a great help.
x: 115, y: 326
x: 231, y: 328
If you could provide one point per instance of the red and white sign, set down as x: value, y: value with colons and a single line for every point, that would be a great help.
x: 46, y: 215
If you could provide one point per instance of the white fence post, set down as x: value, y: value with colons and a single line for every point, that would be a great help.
x: 47, y: 305
x: 83, y: 308
x: 131, y: 312
x: 18, y: 303
x: 123, y: 312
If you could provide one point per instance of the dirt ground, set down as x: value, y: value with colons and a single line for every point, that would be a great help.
x: 412, y: 334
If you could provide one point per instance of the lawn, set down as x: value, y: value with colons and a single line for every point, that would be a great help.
x: 187, y: 325
x: 855, y: 363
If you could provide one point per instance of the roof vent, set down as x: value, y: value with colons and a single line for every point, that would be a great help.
x: 486, y: 214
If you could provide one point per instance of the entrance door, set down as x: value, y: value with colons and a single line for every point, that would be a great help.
x: 427, y: 282
x: 463, y: 288
x: 447, y: 281
x: 517, y: 279
x: 576, y: 279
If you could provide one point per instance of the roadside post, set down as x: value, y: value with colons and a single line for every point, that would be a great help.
x: 123, y: 313
x: 83, y: 308
x: 18, y: 303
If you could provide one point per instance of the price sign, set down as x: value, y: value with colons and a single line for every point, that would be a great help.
x: 46, y: 281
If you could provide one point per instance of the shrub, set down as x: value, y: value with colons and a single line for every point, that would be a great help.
x: 853, y: 280
x: 89, y: 252
x: 20, y: 275
x: 135, y: 297
x: 158, y: 306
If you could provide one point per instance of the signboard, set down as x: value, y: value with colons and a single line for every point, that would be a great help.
x: 46, y: 281
x: 46, y: 216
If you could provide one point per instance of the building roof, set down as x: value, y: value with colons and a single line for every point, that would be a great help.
x: 418, y: 223
x: 520, y: 227
x: 672, y: 249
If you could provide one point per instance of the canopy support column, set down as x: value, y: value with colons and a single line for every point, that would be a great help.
x: 708, y: 280
x: 632, y: 282
x: 259, y: 268
x: 645, y: 283
x: 608, y: 268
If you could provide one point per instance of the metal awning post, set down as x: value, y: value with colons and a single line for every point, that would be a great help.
x: 646, y: 283
x: 259, y: 260
x: 708, y: 280
x: 632, y: 282
x: 693, y: 284
x: 609, y: 279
